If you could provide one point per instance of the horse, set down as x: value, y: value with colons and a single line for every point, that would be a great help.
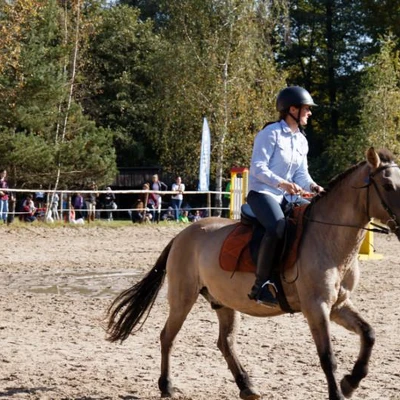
x: 326, y: 272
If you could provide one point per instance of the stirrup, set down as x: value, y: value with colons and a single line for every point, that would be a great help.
x: 269, y: 283
x: 265, y: 295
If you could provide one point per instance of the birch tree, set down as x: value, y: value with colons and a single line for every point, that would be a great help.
x: 217, y: 63
x: 45, y: 134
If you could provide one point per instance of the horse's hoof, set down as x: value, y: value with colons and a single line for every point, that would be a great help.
x: 347, y: 387
x: 166, y: 388
x: 249, y: 394
x: 168, y: 393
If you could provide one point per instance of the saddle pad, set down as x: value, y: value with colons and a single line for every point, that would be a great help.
x: 235, y: 251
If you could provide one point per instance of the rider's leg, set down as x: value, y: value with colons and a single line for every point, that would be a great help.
x: 263, y: 288
x: 268, y: 211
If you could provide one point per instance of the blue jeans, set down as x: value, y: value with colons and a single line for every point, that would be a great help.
x: 176, y: 205
x: 3, y: 209
x: 268, y: 211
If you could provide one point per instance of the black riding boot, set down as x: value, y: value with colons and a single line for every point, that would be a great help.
x: 263, y: 289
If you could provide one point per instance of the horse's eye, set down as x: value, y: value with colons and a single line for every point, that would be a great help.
x: 388, y: 187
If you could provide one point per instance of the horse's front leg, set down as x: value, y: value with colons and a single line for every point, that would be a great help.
x: 317, y: 315
x: 348, y: 317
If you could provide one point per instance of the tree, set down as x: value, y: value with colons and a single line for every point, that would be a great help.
x: 323, y: 50
x: 215, y: 63
x: 42, y: 126
x: 381, y: 18
x: 149, y: 9
x: 381, y: 98
x: 118, y: 88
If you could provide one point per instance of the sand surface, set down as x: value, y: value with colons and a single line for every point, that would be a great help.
x: 56, y: 284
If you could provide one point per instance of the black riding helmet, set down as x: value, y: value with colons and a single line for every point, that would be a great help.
x: 293, y: 96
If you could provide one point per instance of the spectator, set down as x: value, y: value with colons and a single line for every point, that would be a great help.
x: 78, y: 205
x: 74, y: 220
x: 3, y: 196
x: 72, y: 217
x: 151, y: 201
x: 53, y: 200
x: 176, y: 199
x: 196, y: 217
x: 29, y: 209
x: 158, y: 186
x: 39, y: 197
x: 90, y: 200
x: 169, y: 215
x: 140, y: 213
x: 184, y: 217
x: 109, y: 203
x: 65, y: 205
x: 11, y: 208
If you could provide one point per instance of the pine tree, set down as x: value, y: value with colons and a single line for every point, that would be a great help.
x: 44, y: 131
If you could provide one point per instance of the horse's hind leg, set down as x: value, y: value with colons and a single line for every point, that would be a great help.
x: 226, y: 343
x: 180, y: 303
x: 348, y: 317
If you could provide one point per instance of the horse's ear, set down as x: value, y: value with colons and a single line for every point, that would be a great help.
x: 373, y: 158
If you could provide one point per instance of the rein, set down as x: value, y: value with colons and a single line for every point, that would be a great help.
x: 378, y: 228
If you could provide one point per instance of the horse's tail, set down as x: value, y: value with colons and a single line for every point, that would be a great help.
x: 136, y: 301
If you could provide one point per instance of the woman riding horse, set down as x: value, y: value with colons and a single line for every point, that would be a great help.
x: 278, y: 166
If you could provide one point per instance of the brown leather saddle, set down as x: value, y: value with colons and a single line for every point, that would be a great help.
x: 240, y: 248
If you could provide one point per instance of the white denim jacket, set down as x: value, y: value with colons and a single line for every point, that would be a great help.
x: 279, y: 155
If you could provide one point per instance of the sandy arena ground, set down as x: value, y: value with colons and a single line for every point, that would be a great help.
x: 56, y: 284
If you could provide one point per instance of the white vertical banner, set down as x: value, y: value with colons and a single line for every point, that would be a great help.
x: 204, y: 173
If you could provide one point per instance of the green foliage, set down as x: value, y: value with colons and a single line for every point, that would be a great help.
x: 40, y: 130
x: 381, y: 98
x: 379, y: 116
x: 323, y: 50
x: 147, y: 73
x: 223, y: 69
x: 382, y: 17
x: 118, y: 85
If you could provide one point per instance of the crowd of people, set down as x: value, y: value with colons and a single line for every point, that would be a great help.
x: 148, y: 205
x: 90, y: 205
x: 46, y: 206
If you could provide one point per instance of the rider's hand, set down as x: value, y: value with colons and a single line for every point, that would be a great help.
x: 290, y: 188
x: 316, y: 188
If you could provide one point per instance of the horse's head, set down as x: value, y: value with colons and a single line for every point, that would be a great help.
x: 384, y: 189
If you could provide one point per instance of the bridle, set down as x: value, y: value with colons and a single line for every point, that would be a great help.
x: 392, y: 215
x: 371, y: 183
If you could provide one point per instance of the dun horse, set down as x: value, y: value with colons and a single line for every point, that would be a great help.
x: 326, y: 273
